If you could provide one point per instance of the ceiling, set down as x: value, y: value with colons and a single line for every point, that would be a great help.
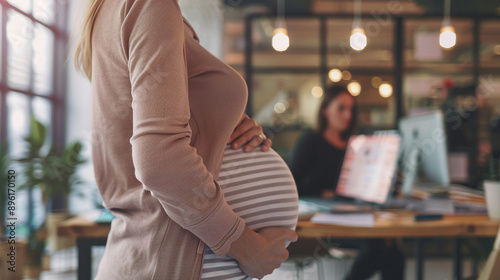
x: 434, y: 7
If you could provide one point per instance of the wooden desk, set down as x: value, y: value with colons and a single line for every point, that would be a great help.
x: 87, y: 234
x: 90, y: 234
x: 402, y: 225
x: 81, y: 227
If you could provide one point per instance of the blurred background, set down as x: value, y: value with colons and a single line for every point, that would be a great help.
x: 398, y: 68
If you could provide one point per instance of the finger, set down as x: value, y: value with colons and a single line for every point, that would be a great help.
x: 266, y: 145
x: 243, y: 125
x: 255, y: 142
x: 280, y: 250
x: 286, y: 255
x: 242, y: 129
x: 290, y: 235
x: 248, y: 136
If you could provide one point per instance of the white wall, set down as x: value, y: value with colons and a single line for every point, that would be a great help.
x: 78, y: 92
x: 206, y: 18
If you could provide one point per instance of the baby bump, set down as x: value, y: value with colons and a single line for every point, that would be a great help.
x: 260, y: 188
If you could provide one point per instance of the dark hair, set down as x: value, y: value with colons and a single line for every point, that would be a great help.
x: 331, y: 93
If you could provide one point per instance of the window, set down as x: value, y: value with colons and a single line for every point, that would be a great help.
x: 32, y: 54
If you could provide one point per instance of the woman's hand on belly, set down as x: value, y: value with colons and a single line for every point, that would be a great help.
x: 259, y: 254
x: 248, y: 131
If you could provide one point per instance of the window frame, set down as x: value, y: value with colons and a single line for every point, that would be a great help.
x: 57, y: 96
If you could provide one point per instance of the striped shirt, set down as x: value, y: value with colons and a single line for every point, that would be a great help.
x: 260, y: 188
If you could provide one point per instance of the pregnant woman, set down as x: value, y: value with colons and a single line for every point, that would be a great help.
x: 163, y: 109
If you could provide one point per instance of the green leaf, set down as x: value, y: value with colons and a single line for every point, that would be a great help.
x: 37, y: 133
x: 71, y: 154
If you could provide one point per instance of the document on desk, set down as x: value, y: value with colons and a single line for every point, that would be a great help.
x: 437, y: 206
x: 357, y: 220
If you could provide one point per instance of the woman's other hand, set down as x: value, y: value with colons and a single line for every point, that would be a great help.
x: 249, y: 134
x: 259, y: 254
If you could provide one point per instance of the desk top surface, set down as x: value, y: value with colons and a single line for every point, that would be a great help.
x: 81, y: 227
x: 401, y: 224
x: 395, y: 224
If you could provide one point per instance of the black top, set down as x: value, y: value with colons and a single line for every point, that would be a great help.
x: 315, y: 164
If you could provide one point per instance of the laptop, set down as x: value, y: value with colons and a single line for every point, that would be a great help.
x: 367, y: 176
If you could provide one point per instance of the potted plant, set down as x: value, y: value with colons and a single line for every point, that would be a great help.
x: 54, y: 172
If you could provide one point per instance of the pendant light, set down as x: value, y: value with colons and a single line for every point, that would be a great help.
x: 335, y: 75
x: 354, y: 88
x: 358, y: 39
x: 385, y: 90
x: 447, y: 36
x: 280, y: 41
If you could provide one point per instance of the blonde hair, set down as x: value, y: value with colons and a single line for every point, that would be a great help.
x: 83, y: 52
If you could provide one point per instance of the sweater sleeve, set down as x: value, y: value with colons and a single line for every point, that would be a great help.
x: 165, y: 162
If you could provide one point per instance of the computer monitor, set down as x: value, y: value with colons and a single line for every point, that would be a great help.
x: 424, y: 150
x: 369, y: 167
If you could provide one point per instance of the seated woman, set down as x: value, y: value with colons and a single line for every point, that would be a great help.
x: 316, y: 164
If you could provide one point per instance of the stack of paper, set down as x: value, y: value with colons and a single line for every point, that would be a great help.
x: 358, y: 220
x: 467, y: 195
x: 457, y: 193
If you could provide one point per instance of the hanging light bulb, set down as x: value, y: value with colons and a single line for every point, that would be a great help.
x: 317, y: 92
x: 335, y: 75
x: 358, y: 38
x: 354, y: 88
x: 385, y: 90
x: 447, y: 36
x: 280, y: 41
